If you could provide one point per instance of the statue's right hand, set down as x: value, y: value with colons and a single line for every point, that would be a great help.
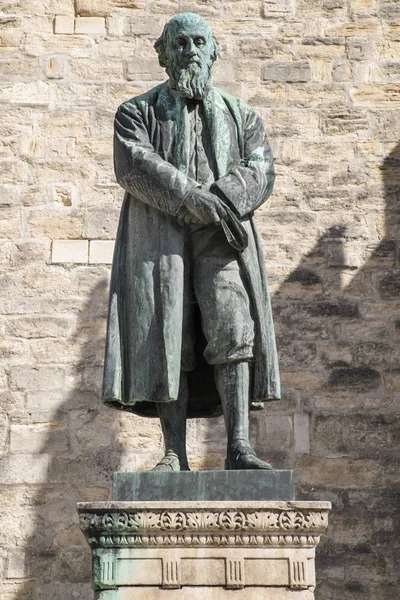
x: 203, y: 207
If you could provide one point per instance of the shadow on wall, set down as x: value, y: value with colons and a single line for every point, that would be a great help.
x: 340, y: 321
x: 83, y: 450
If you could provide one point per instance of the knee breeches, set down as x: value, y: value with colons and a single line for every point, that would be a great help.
x: 214, y: 280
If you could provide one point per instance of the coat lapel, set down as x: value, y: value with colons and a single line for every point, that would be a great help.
x: 224, y: 130
x: 219, y: 120
x: 177, y: 122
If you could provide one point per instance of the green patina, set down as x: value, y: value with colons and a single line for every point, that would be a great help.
x: 190, y: 329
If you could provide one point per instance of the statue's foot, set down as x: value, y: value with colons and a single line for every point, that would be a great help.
x: 244, y: 457
x: 171, y: 462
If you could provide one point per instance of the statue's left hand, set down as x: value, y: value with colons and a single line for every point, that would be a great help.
x: 202, y: 207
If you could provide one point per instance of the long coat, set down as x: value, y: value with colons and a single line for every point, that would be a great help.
x: 144, y: 331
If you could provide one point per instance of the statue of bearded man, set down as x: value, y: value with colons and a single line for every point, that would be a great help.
x: 190, y: 330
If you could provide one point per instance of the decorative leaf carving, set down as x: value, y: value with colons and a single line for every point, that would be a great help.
x: 262, y: 520
x: 207, y: 522
x: 230, y: 520
x: 290, y: 520
x: 202, y: 520
x: 173, y: 520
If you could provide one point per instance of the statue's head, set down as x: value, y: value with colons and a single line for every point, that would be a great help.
x: 187, y: 50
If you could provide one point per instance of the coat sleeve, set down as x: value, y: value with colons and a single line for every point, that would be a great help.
x: 250, y: 183
x: 140, y: 170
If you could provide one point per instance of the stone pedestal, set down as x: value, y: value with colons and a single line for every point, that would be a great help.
x: 190, y: 550
x: 203, y: 485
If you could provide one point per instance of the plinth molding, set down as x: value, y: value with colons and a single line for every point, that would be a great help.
x: 230, y: 545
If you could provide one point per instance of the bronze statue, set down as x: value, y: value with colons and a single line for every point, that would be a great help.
x: 190, y: 330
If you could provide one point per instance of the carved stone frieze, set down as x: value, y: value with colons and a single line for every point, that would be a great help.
x: 140, y: 550
x: 293, y: 525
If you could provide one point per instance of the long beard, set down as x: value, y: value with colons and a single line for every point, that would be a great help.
x: 192, y: 81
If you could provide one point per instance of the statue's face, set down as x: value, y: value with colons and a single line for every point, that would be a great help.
x: 190, y: 50
x: 191, y: 45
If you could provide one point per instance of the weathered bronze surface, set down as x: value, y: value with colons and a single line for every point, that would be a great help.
x: 190, y: 330
x: 215, y: 486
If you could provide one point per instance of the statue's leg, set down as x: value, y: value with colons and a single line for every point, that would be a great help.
x: 228, y: 327
x: 232, y: 382
x: 173, y: 423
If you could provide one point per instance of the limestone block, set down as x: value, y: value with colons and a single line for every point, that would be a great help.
x: 91, y: 8
x: 142, y: 25
x: 65, y: 122
x: 359, y: 48
x: 103, y: 122
x: 11, y: 34
x: 246, y: 9
x: 24, y: 468
x: 94, y: 147
x: 64, y: 171
x: 321, y: 70
x: 33, y: 147
x: 55, y: 67
x: 302, y: 380
x: 115, y: 25
x: 64, y: 24
x: 31, y: 379
x: 69, y: 251
x: 90, y: 25
x: 389, y: 9
x: 209, y: 10
x: 359, y: 28
x: 35, y: 326
x: 224, y: 70
x: 278, y: 8
x: 37, y: 44
x: 248, y: 70
x: 30, y: 253
x: 285, y: 71
x: 14, y: 171
x: 342, y: 71
x: 256, y: 48
x: 143, y: 69
x: 316, y: 47
x: 317, y: 94
x: 32, y: 93
x: 35, y: 439
x: 302, y: 433
x: 55, y: 225
x: 363, y: 7
x: 101, y: 252
x: 17, y: 567
x: 110, y: 47
x: 64, y: 194
x: 15, y: 69
x: 342, y: 472
x: 164, y: 6
x: 16, y: 121
x: 4, y: 432
x: 78, y: 94
x: 349, y: 123
x: 117, y: 92
x: 49, y: 402
x: 274, y: 434
x: 92, y: 429
x: 10, y: 223
x: 102, y: 223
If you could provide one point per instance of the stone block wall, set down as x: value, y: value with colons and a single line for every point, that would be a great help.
x: 325, y: 76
